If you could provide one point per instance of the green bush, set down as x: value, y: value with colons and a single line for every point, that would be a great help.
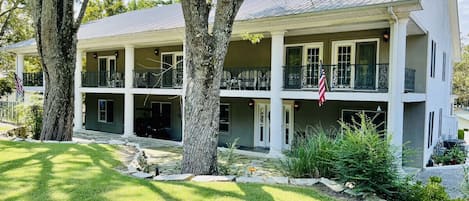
x: 30, y: 115
x: 312, y: 154
x: 461, y: 134
x: 452, y: 156
x: 365, y: 157
x: 432, y: 191
x: 227, y: 159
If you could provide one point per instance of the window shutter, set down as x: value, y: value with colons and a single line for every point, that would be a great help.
x: 110, y: 111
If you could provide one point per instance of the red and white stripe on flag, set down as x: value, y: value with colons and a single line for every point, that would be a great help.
x: 322, y: 88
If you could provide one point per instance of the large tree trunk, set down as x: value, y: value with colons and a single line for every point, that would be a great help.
x: 56, y: 37
x: 205, y: 54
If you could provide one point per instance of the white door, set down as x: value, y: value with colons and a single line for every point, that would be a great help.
x: 106, y: 70
x: 262, y: 125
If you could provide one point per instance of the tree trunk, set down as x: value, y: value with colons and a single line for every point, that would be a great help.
x: 205, y: 54
x: 56, y: 37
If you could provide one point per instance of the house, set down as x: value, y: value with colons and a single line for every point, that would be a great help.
x: 389, y: 58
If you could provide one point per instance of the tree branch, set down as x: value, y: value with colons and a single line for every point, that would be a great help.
x: 77, y: 23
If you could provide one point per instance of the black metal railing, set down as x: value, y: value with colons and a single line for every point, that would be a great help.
x: 246, y: 78
x: 409, y: 85
x: 103, y: 79
x: 367, y: 77
x: 33, y: 79
x: 158, y: 78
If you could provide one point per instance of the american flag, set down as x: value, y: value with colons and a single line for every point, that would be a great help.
x: 322, y: 87
x: 19, y: 86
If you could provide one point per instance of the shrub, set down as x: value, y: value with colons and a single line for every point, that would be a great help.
x: 30, y: 115
x: 452, y: 156
x: 228, y: 158
x: 461, y: 134
x: 432, y: 191
x: 365, y: 157
x: 312, y: 154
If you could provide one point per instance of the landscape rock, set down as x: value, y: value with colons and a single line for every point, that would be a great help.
x: 254, y: 179
x: 18, y: 139
x: 304, y: 182
x: 68, y: 142
x: 211, y: 178
x: 102, y: 142
x: 276, y: 180
x: 353, y: 193
x: 174, y: 177
x: 334, y: 186
x: 142, y: 175
x: 116, y: 142
x: 50, y: 142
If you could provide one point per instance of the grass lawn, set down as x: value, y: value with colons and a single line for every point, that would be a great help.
x: 40, y: 172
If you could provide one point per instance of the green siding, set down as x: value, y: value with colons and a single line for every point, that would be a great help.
x: 91, y: 117
x: 246, y: 54
x: 241, y: 123
x: 92, y: 63
x: 145, y: 58
x: 176, y: 122
x: 310, y: 114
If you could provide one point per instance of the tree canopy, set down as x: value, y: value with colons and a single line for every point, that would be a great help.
x: 461, y: 77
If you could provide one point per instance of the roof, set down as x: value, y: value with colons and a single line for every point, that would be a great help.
x: 171, y: 16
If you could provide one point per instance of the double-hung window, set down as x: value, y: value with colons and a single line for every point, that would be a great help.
x: 105, y: 111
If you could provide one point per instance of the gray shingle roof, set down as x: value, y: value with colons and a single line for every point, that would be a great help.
x: 171, y: 16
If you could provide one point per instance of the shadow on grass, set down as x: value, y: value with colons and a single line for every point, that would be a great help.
x: 72, y: 187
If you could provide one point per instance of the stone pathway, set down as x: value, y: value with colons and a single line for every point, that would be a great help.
x: 167, y: 155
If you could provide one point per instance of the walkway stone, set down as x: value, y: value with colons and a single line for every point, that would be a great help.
x: 211, y: 178
x: 276, y: 180
x: 304, y: 182
x: 334, y: 186
x: 142, y: 175
x: 254, y: 179
x: 174, y: 177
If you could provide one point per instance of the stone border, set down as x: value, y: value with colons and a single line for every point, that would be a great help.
x: 134, y: 169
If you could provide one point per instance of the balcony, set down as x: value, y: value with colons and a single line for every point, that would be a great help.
x: 409, y: 85
x: 105, y: 79
x: 33, y: 79
x: 349, y: 77
x: 246, y: 78
x: 158, y: 78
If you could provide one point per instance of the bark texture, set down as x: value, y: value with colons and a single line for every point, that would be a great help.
x: 56, y: 37
x: 205, y: 55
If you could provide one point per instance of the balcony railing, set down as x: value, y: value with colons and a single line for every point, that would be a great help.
x: 409, y: 85
x: 33, y: 79
x: 355, y: 77
x: 158, y: 78
x: 246, y: 78
x: 103, y: 79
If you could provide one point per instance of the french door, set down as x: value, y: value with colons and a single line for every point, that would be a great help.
x: 106, y: 69
x: 172, y: 64
x: 262, y: 134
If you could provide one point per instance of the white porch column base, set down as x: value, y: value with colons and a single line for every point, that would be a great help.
x: 184, y: 88
x: 396, y: 85
x: 276, y: 106
x: 129, y: 97
x: 78, y: 100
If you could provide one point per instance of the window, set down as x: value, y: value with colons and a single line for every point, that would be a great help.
x: 224, y: 118
x: 433, y: 60
x: 430, y: 129
x: 443, y: 73
x: 172, y: 64
x: 105, y: 111
x: 440, y: 123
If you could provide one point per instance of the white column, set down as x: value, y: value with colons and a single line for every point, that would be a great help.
x: 396, y: 83
x: 129, y: 97
x: 78, y: 100
x: 19, y: 70
x: 276, y: 106
x: 184, y: 87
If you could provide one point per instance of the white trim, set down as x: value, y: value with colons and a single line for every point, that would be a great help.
x: 304, y: 54
x: 336, y: 96
x: 244, y: 94
x: 102, y: 90
x: 353, y: 44
x: 105, y: 110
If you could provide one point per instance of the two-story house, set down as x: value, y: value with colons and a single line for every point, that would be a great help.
x: 392, y: 59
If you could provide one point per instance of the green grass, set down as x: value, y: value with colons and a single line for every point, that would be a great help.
x: 42, y: 172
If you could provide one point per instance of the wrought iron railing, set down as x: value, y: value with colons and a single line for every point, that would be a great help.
x: 246, y: 78
x: 33, y: 79
x: 367, y: 77
x: 158, y: 78
x: 409, y: 85
x: 103, y: 79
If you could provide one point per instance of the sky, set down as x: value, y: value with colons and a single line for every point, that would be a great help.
x: 464, y: 19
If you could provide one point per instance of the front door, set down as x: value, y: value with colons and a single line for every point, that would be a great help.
x: 161, y: 115
x: 262, y: 134
x: 172, y: 64
x: 168, y: 66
